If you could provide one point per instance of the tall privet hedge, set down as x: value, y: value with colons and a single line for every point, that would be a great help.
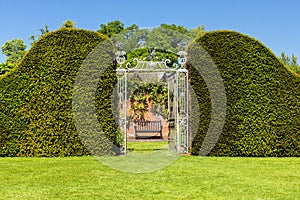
x: 36, y: 97
x: 263, y: 99
x: 263, y: 105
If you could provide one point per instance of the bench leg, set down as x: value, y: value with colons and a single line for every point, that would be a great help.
x: 161, y: 136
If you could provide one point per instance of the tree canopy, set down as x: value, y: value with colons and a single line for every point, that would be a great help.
x: 14, y: 50
x: 112, y: 28
x: 290, y: 62
x: 133, y: 37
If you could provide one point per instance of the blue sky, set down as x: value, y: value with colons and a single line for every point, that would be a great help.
x: 274, y: 22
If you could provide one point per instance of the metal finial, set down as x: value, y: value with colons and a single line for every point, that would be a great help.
x: 120, y: 54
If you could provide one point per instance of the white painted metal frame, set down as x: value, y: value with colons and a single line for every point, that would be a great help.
x: 179, y: 76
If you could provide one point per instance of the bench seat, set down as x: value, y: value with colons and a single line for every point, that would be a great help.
x: 147, y: 129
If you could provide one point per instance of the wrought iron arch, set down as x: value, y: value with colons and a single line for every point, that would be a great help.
x: 148, y: 70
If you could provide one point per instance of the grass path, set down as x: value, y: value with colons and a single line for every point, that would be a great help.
x: 187, y: 178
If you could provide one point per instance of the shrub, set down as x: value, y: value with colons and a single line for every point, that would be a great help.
x: 263, y: 106
x: 36, y: 97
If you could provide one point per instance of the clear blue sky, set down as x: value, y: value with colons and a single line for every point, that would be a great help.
x: 274, y: 22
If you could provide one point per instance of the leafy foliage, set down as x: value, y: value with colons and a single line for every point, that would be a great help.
x: 5, y: 67
x: 14, y: 50
x: 143, y: 54
x: 43, y: 31
x: 164, y: 37
x: 290, y: 62
x: 147, y: 95
x: 112, y: 28
x: 192, y: 33
x: 68, y: 24
x: 36, y: 98
x: 263, y: 106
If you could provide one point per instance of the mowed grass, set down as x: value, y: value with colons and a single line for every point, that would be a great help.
x: 147, y: 146
x: 189, y: 177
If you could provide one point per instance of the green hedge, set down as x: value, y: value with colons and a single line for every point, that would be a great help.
x: 36, y: 97
x: 263, y: 99
x: 263, y: 106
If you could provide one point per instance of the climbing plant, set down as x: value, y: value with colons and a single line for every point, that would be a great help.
x: 148, y: 96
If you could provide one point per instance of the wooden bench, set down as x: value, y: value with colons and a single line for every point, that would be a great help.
x: 146, y: 129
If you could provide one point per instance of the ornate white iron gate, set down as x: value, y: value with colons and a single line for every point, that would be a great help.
x: 177, y: 81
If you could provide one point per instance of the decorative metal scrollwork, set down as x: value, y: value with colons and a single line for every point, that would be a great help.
x: 120, y: 72
x: 177, y: 77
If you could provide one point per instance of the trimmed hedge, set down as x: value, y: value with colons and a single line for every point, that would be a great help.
x: 263, y: 105
x: 263, y: 98
x: 36, y: 97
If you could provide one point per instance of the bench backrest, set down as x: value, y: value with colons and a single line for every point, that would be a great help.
x: 148, y: 126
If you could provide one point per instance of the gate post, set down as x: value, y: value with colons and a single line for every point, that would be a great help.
x: 182, y: 115
x: 182, y: 139
x: 122, y: 107
x: 121, y: 140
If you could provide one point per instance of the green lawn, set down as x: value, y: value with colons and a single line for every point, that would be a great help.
x: 188, y: 177
x: 147, y: 146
